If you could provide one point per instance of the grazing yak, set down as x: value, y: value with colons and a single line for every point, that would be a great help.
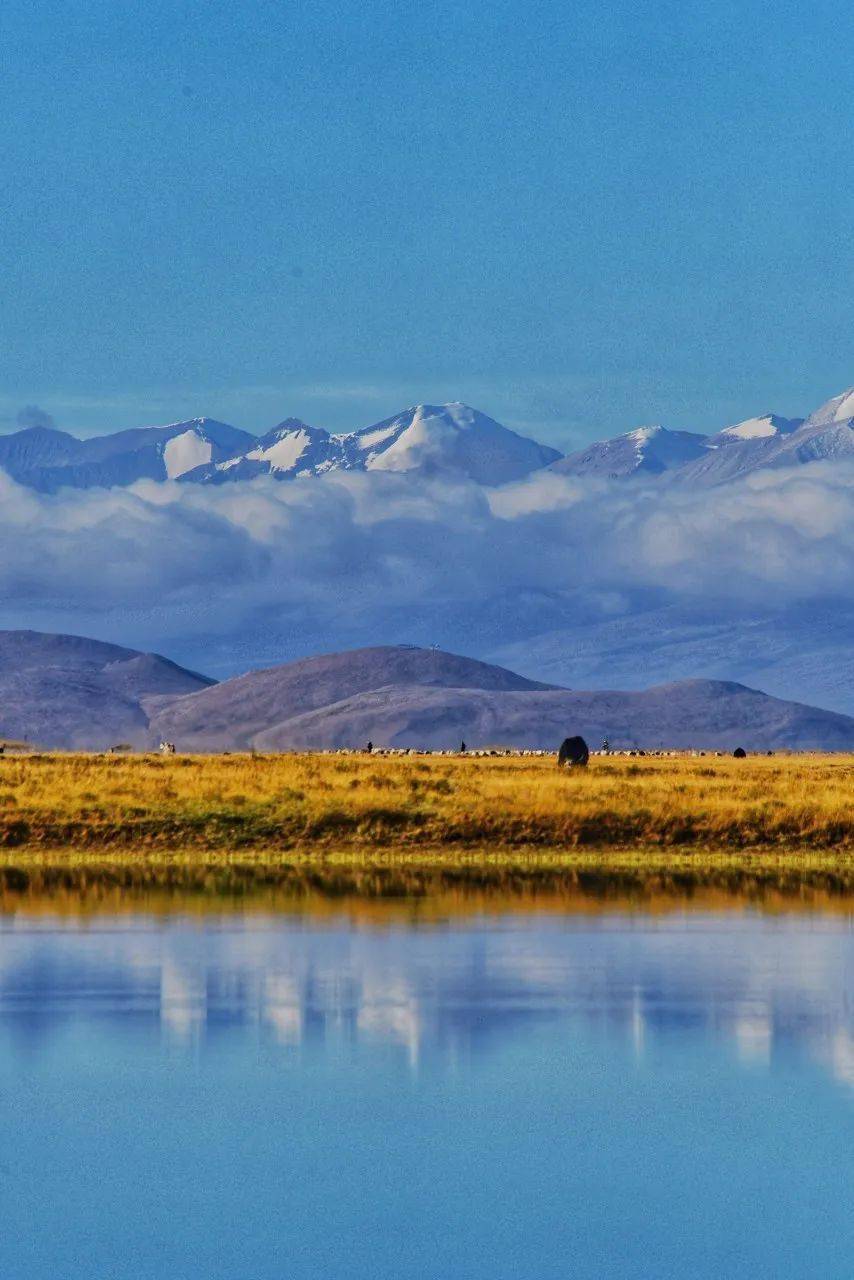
x: 573, y: 751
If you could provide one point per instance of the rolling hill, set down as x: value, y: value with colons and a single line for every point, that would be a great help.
x: 68, y: 692
x: 402, y: 697
x: 71, y: 692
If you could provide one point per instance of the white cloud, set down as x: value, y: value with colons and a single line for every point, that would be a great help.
x: 373, y: 558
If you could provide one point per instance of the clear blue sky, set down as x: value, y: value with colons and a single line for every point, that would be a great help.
x: 578, y: 217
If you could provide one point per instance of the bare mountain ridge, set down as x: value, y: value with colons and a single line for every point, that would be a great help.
x: 701, y: 714
x: 234, y: 712
x: 400, y: 696
x: 70, y: 692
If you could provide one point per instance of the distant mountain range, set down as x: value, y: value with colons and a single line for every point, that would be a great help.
x: 451, y: 440
x: 69, y: 692
x: 704, y: 460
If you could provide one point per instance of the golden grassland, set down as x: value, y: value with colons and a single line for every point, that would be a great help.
x: 424, y: 825
x: 309, y: 802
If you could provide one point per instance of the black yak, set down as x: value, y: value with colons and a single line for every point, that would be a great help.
x: 573, y: 751
x: 739, y: 753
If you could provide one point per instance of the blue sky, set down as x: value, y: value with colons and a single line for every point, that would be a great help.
x: 578, y: 217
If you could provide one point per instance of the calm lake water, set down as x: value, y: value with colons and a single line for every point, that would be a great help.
x: 597, y: 1093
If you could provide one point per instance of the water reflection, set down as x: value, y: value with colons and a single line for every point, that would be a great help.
x: 442, y: 991
x: 407, y: 1091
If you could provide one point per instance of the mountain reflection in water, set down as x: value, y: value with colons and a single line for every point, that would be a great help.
x: 442, y: 988
x: 426, y: 1091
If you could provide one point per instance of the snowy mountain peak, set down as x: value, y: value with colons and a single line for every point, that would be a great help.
x: 761, y: 428
x: 196, y: 442
x: 649, y: 450
x: 447, y: 439
x: 838, y: 409
x: 291, y: 424
x: 292, y: 448
x: 452, y: 440
x: 643, y: 435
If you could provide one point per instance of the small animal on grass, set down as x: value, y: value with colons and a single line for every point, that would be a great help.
x: 739, y: 753
x: 167, y: 748
x: 573, y: 752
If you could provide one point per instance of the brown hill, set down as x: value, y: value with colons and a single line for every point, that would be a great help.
x: 401, y: 696
x: 69, y: 691
x: 231, y: 715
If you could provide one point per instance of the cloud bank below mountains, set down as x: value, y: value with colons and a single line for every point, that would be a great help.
x: 248, y: 574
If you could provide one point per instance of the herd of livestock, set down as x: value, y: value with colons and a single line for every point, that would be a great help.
x: 573, y: 752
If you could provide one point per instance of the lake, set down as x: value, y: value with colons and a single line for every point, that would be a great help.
x: 367, y: 1090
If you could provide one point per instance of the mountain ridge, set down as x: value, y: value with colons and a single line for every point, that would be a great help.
x: 70, y: 692
x: 451, y: 441
x: 409, y: 696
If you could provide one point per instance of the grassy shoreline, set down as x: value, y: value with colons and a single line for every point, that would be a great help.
x: 449, y: 882
x: 396, y: 826
x: 318, y: 803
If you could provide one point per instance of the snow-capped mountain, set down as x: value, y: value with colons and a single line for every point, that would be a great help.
x: 768, y: 426
x: 646, y: 451
x: 838, y: 409
x: 771, y: 441
x: 689, y: 458
x: 48, y: 460
x: 448, y: 440
x: 291, y: 449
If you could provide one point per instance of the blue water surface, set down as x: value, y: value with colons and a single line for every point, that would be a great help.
x: 243, y: 1097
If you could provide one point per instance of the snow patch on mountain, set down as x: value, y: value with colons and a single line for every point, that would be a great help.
x: 182, y: 453
x: 769, y: 424
x: 838, y: 409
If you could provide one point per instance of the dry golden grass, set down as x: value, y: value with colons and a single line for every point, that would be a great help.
x: 315, y: 804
